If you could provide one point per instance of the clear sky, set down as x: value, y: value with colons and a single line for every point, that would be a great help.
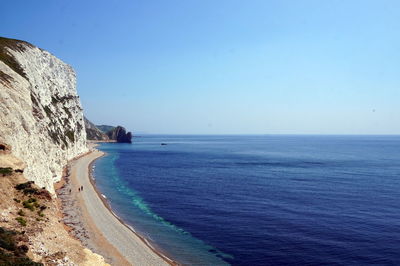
x: 225, y: 66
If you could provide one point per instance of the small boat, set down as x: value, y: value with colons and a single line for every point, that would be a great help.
x: 163, y: 143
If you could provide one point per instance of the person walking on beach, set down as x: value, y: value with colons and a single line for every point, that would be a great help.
x: 81, y: 188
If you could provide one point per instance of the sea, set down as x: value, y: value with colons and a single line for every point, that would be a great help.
x: 259, y: 199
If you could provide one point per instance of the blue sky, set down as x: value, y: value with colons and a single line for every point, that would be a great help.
x: 217, y: 67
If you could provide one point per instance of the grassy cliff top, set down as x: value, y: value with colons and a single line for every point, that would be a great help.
x: 105, y: 128
x: 7, y: 58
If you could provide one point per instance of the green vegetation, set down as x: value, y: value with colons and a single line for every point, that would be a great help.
x: 28, y: 206
x: 23, y: 186
x: 40, y: 212
x: 10, y: 252
x: 8, y: 258
x: 31, y: 190
x: 27, y: 188
x: 6, y: 171
x: 31, y: 204
x: 21, y: 221
x: 105, y: 128
x: 7, y: 239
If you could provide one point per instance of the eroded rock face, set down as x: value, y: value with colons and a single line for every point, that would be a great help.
x: 41, y: 116
x: 94, y: 133
x: 119, y: 134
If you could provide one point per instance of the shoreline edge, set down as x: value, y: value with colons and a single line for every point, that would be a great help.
x: 106, y: 203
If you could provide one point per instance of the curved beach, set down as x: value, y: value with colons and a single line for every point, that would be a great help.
x: 111, y: 235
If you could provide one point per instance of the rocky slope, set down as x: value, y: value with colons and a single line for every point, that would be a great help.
x: 94, y: 133
x: 31, y: 220
x: 41, y: 117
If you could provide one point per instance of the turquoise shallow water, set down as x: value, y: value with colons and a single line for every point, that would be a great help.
x: 260, y: 200
x: 132, y: 208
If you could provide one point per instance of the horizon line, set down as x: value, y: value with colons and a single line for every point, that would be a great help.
x: 268, y: 134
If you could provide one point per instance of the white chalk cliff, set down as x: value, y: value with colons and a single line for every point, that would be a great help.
x: 41, y: 117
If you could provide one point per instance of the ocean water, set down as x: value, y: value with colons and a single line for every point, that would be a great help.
x: 260, y: 200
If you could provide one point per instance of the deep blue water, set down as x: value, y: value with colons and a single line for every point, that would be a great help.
x: 260, y: 200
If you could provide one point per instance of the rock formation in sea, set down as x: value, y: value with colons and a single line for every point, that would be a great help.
x: 120, y: 135
x: 41, y: 115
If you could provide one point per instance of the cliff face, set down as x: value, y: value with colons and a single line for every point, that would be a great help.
x: 94, y: 133
x: 41, y: 116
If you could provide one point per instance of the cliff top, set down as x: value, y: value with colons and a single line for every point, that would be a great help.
x: 7, y: 58
x: 105, y: 128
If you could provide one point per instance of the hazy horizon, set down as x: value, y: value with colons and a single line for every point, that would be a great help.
x: 225, y: 67
x: 139, y: 134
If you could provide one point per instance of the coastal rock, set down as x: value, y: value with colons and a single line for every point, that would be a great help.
x: 105, y: 132
x: 93, y: 132
x: 120, y: 135
x: 41, y: 117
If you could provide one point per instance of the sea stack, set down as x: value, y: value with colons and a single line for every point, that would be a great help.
x: 120, y: 135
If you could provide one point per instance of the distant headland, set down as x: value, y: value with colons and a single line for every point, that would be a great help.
x: 105, y: 133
